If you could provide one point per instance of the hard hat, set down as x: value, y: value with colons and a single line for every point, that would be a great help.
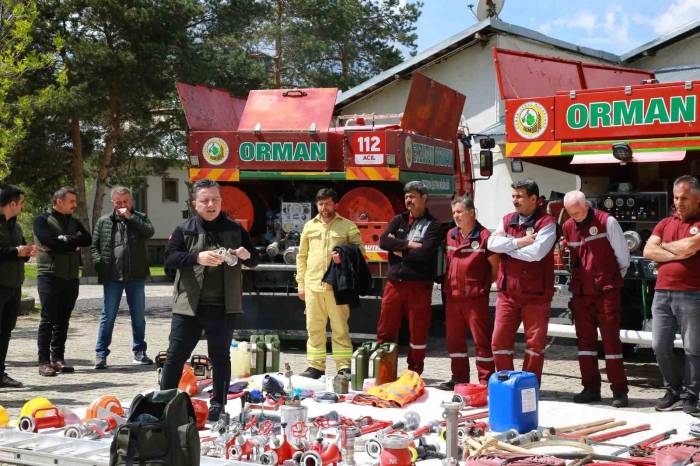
x: 188, y: 381
x: 201, y: 411
x: 4, y: 417
x: 32, y: 405
x: 104, y: 404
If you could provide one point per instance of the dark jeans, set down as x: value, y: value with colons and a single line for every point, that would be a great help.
x: 9, y: 309
x: 57, y: 298
x: 677, y: 311
x: 184, y: 336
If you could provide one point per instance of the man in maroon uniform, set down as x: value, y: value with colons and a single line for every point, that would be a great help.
x: 674, y: 244
x: 599, y: 260
x: 525, y: 239
x: 471, y: 269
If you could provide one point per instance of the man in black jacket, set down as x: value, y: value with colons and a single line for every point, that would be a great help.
x: 13, y: 254
x: 120, y: 255
x: 205, y: 250
x: 412, y: 239
x: 59, y: 237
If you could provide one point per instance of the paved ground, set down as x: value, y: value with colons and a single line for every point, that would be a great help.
x: 561, y: 375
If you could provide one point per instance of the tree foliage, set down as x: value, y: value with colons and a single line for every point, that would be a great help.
x: 87, y: 86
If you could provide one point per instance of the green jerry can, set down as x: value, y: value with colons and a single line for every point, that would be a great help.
x: 359, y: 364
x: 257, y: 354
x: 384, y: 362
x: 272, y: 353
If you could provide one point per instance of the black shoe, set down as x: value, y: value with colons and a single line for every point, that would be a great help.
x: 312, y: 373
x: 60, y: 366
x: 690, y: 405
x: 8, y: 381
x: 140, y: 357
x: 620, y: 400
x: 587, y: 395
x: 100, y: 362
x: 670, y: 402
x: 214, y: 413
x: 344, y: 371
x: 448, y: 385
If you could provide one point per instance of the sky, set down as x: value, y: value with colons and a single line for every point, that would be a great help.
x: 616, y: 26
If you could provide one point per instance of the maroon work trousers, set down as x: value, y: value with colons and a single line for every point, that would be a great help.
x: 600, y: 311
x: 411, y: 298
x: 533, y: 312
x: 469, y: 313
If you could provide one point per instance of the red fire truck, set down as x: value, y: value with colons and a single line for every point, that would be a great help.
x: 624, y: 134
x: 274, y: 149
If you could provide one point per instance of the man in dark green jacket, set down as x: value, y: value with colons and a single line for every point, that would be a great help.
x: 59, y: 237
x: 207, y: 289
x: 13, y: 254
x: 119, y: 251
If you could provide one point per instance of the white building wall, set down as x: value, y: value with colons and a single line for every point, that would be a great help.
x: 164, y: 215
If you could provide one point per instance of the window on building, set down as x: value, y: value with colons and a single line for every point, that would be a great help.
x: 170, y: 190
x: 141, y: 199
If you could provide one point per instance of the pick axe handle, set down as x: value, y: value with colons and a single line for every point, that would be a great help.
x: 574, y: 427
x: 599, y: 428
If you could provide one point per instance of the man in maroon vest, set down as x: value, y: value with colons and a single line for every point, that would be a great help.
x: 675, y: 245
x: 525, y: 239
x: 599, y: 259
x: 471, y: 269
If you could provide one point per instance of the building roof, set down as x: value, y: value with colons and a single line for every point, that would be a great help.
x: 477, y: 32
x: 463, y: 39
x: 662, y: 41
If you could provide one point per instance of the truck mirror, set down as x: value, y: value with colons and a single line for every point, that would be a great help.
x: 485, y: 163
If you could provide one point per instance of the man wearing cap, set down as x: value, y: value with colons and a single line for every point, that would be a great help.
x: 412, y: 239
x: 471, y: 269
x: 674, y: 245
x: 525, y: 239
x: 599, y: 261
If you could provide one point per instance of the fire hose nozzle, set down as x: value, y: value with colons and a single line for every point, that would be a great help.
x: 410, y: 421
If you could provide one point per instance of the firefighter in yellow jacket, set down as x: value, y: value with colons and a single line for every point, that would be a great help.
x: 321, y: 234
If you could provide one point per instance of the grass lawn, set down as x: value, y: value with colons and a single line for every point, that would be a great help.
x: 30, y: 271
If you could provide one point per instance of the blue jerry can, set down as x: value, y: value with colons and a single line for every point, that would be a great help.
x: 513, y: 400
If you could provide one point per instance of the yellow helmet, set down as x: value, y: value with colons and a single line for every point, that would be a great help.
x: 32, y: 405
x: 4, y: 417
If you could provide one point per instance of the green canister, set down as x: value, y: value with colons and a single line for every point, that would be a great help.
x: 257, y: 354
x: 272, y: 353
x: 384, y: 363
x: 359, y: 364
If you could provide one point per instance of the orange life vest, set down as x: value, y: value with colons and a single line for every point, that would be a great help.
x: 406, y: 389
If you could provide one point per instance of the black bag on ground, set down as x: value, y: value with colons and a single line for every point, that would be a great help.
x: 161, y: 430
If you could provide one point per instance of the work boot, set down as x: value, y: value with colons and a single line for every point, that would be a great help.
x: 140, y: 357
x: 448, y: 385
x: 312, y: 373
x: 47, y: 370
x: 670, y: 402
x: 344, y: 371
x: 100, y: 362
x: 60, y: 366
x: 214, y: 413
x: 587, y: 395
x: 690, y: 405
x: 7, y: 381
x: 620, y: 400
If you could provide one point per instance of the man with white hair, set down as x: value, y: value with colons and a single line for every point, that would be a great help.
x: 599, y: 260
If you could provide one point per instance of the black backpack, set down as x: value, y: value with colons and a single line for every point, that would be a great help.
x: 161, y: 430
